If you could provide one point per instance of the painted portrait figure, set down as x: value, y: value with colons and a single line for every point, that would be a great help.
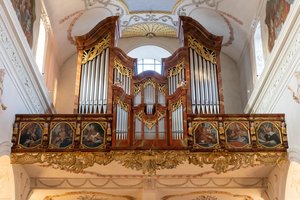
x: 25, y: 10
x: 237, y: 135
x: 268, y: 135
x: 31, y: 135
x: 62, y: 135
x: 93, y: 135
x: 206, y: 135
x: 276, y: 14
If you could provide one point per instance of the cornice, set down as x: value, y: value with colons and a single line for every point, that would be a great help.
x: 17, y: 59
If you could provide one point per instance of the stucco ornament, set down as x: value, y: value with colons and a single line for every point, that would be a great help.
x: 2, y: 74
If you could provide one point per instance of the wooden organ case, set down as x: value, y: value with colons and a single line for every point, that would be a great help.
x: 149, y: 110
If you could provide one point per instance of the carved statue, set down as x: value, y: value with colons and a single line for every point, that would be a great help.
x: 2, y: 74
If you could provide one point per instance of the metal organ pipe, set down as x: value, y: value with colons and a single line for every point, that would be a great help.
x: 105, y: 80
x: 93, y: 84
x: 192, y: 81
x: 204, y: 87
x: 197, y: 73
x: 101, y: 75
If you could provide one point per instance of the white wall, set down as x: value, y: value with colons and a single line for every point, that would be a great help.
x: 15, y: 105
x: 231, y: 85
x: 127, y: 44
x: 66, y: 86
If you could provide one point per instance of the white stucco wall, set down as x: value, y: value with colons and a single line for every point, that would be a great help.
x: 231, y: 85
x: 66, y: 86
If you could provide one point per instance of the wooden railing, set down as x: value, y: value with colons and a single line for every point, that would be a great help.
x: 76, y: 132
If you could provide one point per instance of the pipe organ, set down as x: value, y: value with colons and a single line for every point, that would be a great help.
x: 204, y: 86
x: 149, y: 109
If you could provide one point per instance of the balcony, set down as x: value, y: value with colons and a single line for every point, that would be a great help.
x: 78, y: 141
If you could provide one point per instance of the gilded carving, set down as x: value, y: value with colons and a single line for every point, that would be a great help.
x: 176, y: 105
x: 208, y: 195
x: 139, y: 115
x: 149, y: 81
x: 150, y: 161
x: 162, y: 88
x: 176, y: 69
x: 122, y: 104
x: 87, y: 195
x: 122, y: 69
x: 90, y: 54
x: 137, y: 88
x: 149, y: 30
x: 149, y: 123
x: 206, y: 53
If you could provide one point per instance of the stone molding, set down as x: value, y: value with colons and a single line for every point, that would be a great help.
x: 19, y: 63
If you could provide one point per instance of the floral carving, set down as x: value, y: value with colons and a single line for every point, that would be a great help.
x: 149, y: 161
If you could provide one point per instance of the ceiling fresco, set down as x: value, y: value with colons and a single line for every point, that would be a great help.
x: 231, y: 19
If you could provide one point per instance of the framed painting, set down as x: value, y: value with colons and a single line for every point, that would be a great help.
x: 62, y: 135
x: 276, y: 14
x: 268, y: 135
x: 31, y: 135
x: 93, y: 135
x: 205, y: 135
x: 25, y: 10
x: 237, y: 135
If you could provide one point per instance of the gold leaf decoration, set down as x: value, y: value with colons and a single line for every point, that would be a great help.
x: 176, y: 105
x: 172, y: 71
x: 150, y: 161
x: 149, y: 30
x: 122, y: 69
x: 96, y: 50
x: 206, y: 53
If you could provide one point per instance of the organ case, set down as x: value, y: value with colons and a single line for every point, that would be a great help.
x: 149, y: 109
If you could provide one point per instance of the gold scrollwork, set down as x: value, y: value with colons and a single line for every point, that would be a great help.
x: 122, y: 69
x: 96, y: 50
x: 123, y: 105
x: 139, y: 115
x: 206, y: 53
x: 151, y: 161
x: 149, y: 81
x: 87, y: 195
x: 177, y: 104
x: 149, y: 123
x: 137, y: 88
x: 161, y: 114
x: 162, y: 88
x: 176, y: 69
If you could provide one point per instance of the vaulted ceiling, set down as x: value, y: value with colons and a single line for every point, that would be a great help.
x: 231, y: 19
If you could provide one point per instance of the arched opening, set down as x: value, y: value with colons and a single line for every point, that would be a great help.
x: 149, y: 58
